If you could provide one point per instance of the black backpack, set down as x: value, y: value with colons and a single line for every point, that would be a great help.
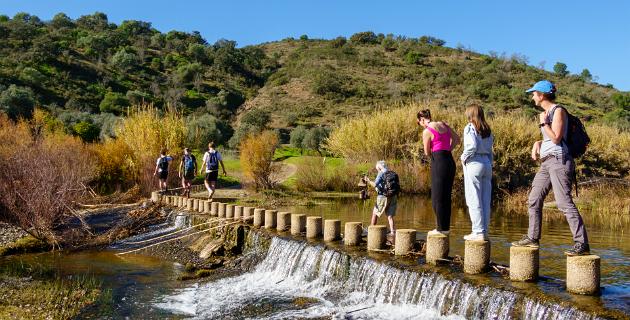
x: 391, y: 184
x: 163, y: 164
x: 577, y: 139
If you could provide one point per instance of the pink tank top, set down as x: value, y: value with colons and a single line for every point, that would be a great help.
x: 441, y: 141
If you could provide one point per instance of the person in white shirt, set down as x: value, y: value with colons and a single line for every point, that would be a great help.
x: 211, y: 160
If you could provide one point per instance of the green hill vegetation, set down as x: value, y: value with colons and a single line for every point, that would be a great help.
x: 87, y: 72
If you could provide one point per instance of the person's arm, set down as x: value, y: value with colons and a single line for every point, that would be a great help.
x: 157, y: 165
x: 204, y: 164
x: 554, y: 130
x: 536, y: 149
x: 455, y: 140
x: 223, y: 167
x: 470, y: 143
x: 426, y: 142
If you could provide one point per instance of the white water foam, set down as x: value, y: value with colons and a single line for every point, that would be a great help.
x: 342, y: 287
x: 180, y: 221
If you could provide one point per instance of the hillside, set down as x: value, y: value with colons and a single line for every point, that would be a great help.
x: 86, y: 72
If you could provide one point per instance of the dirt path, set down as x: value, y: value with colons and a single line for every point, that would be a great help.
x: 285, y: 172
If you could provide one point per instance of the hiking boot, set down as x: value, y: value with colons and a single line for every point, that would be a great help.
x: 579, y: 249
x: 526, y: 242
x: 476, y: 237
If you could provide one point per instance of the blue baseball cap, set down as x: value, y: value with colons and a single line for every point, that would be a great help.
x: 544, y: 86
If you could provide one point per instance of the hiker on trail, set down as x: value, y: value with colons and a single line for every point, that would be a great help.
x: 161, y: 169
x: 557, y: 170
x: 477, y: 165
x: 211, y: 160
x: 439, y: 140
x: 189, y: 167
x: 387, y: 188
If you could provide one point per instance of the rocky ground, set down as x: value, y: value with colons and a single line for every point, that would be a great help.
x: 9, y: 234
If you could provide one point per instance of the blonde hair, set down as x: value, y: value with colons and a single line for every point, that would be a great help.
x: 474, y: 113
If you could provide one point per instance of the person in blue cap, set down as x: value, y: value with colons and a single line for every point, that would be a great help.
x: 557, y: 168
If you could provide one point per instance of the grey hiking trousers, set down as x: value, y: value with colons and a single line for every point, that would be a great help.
x: 555, y: 173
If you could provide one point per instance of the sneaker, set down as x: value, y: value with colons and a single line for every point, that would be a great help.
x: 526, y: 242
x: 579, y: 249
x: 476, y: 237
x: 435, y: 232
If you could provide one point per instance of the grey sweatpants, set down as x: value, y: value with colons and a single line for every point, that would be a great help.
x: 555, y: 173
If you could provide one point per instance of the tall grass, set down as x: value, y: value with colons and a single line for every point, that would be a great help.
x: 145, y: 131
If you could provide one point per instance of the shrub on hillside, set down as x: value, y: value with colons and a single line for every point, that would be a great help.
x: 114, y: 102
x: 205, y: 128
x: 256, y: 157
x: 17, y: 102
x: 366, y: 37
x: 338, y: 42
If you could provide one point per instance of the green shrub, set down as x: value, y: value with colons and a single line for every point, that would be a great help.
x: 114, y: 102
x: 17, y: 102
x: 367, y: 37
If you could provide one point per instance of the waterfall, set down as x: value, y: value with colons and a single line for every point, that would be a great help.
x: 343, y: 286
x: 176, y: 221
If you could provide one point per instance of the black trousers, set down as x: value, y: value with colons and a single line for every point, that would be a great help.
x: 442, y: 177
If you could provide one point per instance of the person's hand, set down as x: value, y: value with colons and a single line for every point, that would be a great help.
x: 542, y: 117
x: 224, y: 173
x: 536, y: 150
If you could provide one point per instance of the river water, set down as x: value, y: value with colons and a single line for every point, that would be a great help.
x: 310, y: 281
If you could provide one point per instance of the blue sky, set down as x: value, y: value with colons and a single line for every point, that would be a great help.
x: 582, y: 34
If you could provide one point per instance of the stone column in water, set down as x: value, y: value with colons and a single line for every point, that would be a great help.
x: 202, y: 204
x: 155, y: 196
x: 180, y: 201
x: 270, y: 219
x: 332, y: 229
x: 437, y: 248
x: 190, y: 204
x: 259, y: 217
x: 207, y: 206
x: 214, y: 208
x: 476, y: 256
x: 352, y: 233
x: 229, y: 211
x: 195, y: 206
x: 524, y: 262
x: 248, y: 214
x: 284, y: 221
x: 298, y: 224
x: 376, y: 237
x: 238, y: 212
x: 221, y: 210
x: 405, y: 239
x: 313, y: 227
x: 583, y: 274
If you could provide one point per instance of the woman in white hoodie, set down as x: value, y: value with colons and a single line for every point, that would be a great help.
x: 477, y: 163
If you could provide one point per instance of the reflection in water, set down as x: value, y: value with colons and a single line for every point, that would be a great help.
x: 416, y: 213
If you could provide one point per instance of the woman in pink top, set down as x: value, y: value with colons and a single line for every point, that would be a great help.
x: 438, y: 140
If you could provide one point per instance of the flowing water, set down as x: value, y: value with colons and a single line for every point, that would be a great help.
x: 610, y: 241
x: 297, y: 279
